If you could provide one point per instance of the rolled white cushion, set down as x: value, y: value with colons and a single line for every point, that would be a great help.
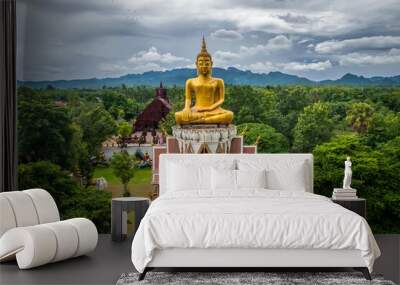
x: 23, y: 208
x: 67, y: 240
x: 87, y: 235
x: 33, y: 246
x: 7, y: 218
x: 45, y: 205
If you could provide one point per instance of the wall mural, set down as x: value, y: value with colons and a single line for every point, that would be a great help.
x: 100, y: 83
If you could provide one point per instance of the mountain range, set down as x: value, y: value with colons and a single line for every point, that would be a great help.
x: 230, y: 75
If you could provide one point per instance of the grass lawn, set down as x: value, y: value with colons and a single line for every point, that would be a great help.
x: 139, y: 185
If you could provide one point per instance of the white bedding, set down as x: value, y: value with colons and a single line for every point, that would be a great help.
x: 251, y: 218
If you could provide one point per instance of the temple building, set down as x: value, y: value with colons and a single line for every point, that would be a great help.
x: 150, y: 117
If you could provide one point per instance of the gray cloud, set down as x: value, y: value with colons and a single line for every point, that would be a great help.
x: 267, y: 66
x: 226, y: 34
x: 65, y: 39
x: 390, y: 57
x: 365, y: 43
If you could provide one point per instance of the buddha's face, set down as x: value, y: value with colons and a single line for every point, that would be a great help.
x: 204, y: 65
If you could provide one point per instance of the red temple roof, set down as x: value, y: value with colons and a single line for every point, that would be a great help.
x: 150, y: 117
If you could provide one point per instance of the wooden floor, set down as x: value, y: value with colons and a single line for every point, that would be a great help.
x: 110, y: 260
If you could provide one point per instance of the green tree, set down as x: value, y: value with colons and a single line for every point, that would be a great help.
x: 248, y: 104
x: 49, y: 176
x: 44, y: 129
x: 119, y: 105
x: 94, y: 125
x: 91, y: 204
x: 374, y: 176
x: 391, y: 197
x: 290, y: 103
x: 293, y: 99
x: 97, y: 125
x: 124, y: 168
x: 391, y: 155
x: 124, y: 131
x: 314, y: 126
x: 117, y: 112
x: 269, y: 140
x: 384, y: 126
x: 168, y: 122
x: 359, y: 116
x: 84, y: 163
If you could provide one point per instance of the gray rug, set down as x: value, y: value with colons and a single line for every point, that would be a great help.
x: 269, y: 278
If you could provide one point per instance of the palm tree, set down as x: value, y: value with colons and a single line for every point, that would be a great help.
x: 359, y: 116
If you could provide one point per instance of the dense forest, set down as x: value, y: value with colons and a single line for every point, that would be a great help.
x: 60, y: 132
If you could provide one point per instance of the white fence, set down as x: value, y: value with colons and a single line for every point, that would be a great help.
x: 131, y: 149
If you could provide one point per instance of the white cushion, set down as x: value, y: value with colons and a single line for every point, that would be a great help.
x: 290, y: 175
x: 187, y: 177
x: 7, y: 218
x: 87, y: 235
x: 46, y: 208
x: 223, y: 179
x: 33, y: 246
x: 251, y: 178
x: 194, y: 174
x: 67, y: 240
x: 23, y: 208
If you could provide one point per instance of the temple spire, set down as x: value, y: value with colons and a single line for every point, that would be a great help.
x: 161, y: 91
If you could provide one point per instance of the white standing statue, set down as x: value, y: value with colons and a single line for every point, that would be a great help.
x: 347, y: 174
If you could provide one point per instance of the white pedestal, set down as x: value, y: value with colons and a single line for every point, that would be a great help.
x: 204, y: 138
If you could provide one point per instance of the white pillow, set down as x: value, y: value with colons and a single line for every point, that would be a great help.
x: 193, y: 175
x: 183, y: 177
x: 251, y: 178
x: 291, y: 175
x: 223, y: 179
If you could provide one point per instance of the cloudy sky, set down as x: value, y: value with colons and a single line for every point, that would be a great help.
x: 318, y: 39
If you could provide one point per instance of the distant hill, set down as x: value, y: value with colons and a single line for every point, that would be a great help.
x: 230, y: 75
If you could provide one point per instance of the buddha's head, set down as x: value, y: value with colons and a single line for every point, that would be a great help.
x: 204, y: 60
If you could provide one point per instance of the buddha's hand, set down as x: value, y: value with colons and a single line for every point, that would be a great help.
x: 186, y: 114
x: 203, y: 109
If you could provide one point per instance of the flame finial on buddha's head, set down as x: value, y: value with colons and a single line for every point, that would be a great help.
x: 203, y: 51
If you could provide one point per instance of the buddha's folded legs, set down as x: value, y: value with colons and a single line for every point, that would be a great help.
x: 225, y: 117
x: 183, y: 117
x: 203, y: 117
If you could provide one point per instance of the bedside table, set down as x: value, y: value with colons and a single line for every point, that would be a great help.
x: 119, y: 215
x: 358, y: 206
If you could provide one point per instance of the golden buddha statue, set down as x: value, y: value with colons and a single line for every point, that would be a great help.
x: 209, y: 95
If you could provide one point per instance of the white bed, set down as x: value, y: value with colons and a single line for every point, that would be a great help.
x: 249, y: 226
